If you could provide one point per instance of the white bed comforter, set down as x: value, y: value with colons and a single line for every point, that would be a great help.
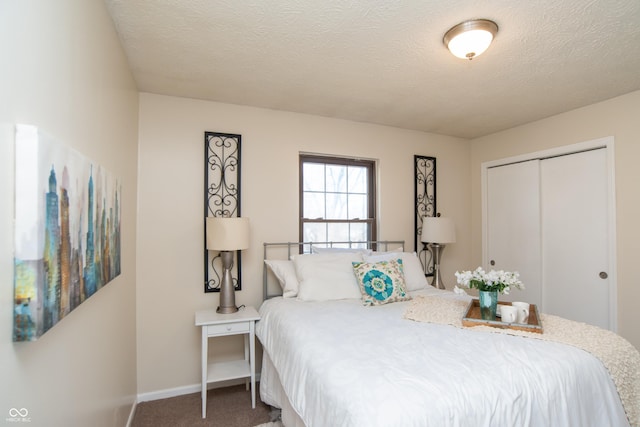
x: 343, y: 364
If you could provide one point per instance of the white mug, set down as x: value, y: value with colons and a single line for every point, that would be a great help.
x: 523, y: 311
x: 509, y: 313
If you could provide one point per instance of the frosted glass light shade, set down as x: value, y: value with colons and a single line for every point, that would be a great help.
x: 227, y: 234
x: 438, y: 229
x: 470, y: 38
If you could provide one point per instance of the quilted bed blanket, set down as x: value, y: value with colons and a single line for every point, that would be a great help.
x: 620, y: 358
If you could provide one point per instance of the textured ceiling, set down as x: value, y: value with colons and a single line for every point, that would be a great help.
x: 383, y: 61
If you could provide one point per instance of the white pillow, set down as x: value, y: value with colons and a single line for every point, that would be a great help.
x: 285, y: 272
x: 413, y: 273
x: 325, y: 277
x: 398, y: 249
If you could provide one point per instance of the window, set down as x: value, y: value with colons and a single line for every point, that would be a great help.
x: 337, y: 199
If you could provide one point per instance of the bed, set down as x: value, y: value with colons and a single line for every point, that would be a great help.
x: 331, y: 360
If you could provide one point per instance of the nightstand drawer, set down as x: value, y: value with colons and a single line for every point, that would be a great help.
x: 228, y: 328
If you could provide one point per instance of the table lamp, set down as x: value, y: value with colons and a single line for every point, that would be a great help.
x: 227, y: 235
x: 437, y: 231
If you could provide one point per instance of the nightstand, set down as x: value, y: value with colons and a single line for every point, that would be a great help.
x: 214, y: 324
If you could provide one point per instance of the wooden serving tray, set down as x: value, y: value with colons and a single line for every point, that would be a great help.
x: 472, y: 318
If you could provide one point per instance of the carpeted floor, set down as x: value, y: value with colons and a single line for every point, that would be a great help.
x: 226, y: 407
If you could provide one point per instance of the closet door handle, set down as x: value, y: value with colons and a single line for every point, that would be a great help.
x: 492, y: 262
x: 603, y: 275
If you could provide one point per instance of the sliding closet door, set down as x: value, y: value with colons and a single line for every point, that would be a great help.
x: 575, y: 244
x: 513, y: 225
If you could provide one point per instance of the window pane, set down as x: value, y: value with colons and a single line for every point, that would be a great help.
x: 357, y: 179
x: 313, y: 205
x: 314, y: 232
x: 359, y: 232
x: 338, y: 232
x: 336, y: 190
x: 336, y: 179
x: 357, y: 206
x: 336, y: 206
x: 313, y: 176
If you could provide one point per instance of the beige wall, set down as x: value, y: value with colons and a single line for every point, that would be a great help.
x: 63, y: 71
x: 616, y: 117
x: 171, y: 203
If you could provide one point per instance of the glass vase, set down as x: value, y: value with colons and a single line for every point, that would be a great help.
x: 488, y: 304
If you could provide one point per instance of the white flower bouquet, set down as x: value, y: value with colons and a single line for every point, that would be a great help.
x: 500, y: 281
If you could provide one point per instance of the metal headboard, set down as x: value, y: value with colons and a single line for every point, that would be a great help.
x: 305, y: 247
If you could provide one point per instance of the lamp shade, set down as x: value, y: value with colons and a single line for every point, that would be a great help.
x: 470, y: 38
x: 438, y: 229
x: 227, y: 234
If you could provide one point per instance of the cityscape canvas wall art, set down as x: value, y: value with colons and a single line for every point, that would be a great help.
x: 67, y: 231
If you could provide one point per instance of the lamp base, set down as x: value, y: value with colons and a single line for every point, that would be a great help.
x: 437, y: 249
x: 227, y: 290
x: 226, y: 310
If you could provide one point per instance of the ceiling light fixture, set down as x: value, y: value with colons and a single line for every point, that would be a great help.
x: 470, y: 38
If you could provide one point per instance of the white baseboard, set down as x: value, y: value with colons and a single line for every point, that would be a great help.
x: 132, y: 413
x: 167, y: 393
x: 188, y: 389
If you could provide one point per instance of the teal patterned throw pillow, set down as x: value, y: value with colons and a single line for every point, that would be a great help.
x: 381, y: 282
